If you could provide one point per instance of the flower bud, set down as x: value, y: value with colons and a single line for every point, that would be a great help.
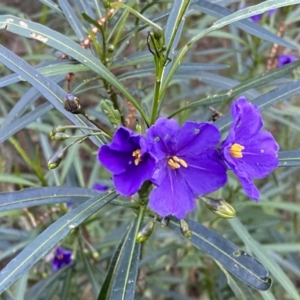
x: 185, y: 229
x: 111, y: 49
x: 144, y: 234
x: 165, y: 221
x: 59, y: 136
x: 72, y: 105
x: 95, y: 255
x: 56, y: 159
x: 219, y: 207
x: 157, y: 34
x: 138, y: 128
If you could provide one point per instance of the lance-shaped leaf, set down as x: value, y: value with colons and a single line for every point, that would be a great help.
x: 239, y: 263
x: 289, y: 158
x: 256, y: 248
x: 49, y: 238
x: 121, y: 278
x: 44, y: 195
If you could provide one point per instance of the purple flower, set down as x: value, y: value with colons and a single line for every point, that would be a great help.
x: 100, y: 187
x: 128, y: 158
x: 62, y: 258
x: 250, y: 152
x: 188, y: 165
x: 284, y: 59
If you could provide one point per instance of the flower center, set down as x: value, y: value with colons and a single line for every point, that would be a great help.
x: 137, y: 156
x: 60, y: 256
x: 176, y: 163
x: 236, y: 150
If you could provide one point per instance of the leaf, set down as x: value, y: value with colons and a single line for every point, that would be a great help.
x: 121, y: 278
x: 270, y: 263
x: 245, y: 267
x: 240, y: 290
x: 60, y: 42
x: 72, y: 19
x: 24, y: 103
x: 218, y: 11
x: 7, y: 131
x: 44, y: 195
x: 289, y: 158
x: 49, y: 238
x: 54, y: 93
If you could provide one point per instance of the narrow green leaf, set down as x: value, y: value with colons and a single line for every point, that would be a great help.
x: 289, y: 158
x: 240, y: 290
x: 120, y: 281
x: 44, y: 195
x: 7, y: 131
x: 91, y: 273
x: 49, y: 238
x: 245, y: 267
x: 270, y: 263
x: 72, y: 19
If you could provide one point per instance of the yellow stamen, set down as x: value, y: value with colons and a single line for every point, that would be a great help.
x: 236, y: 150
x: 181, y: 161
x: 137, y: 155
x: 176, y: 163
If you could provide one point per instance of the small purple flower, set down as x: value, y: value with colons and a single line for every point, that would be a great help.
x: 100, y: 187
x: 284, y: 59
x: 128, y: 158
x: 62, y: 258
x: 188, y: 165
x: 256, y: 18
x: 250, y: 152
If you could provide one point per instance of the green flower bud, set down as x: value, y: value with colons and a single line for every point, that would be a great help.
x: 144, y: 234
x: 95, y: 255
x: 59, y: 136
x: 185, y: 229
x: 111, y: 49
x: 219, y: 207
x: 157, y: 34
x: 56, y: 159
x: 72, y: 105
x: 138, y: 128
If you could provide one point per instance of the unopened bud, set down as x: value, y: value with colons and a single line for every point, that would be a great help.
x: 138, y: 128
x: 185, y: 229
x: 56, y: 159
x: 144, y: 234
x: 71, y: 104
x: 111, y: 49
x: 165, y: 221
x: 219, y: 207
x: 59, y: 136
x: 157, y: 34
x: 95, y: 255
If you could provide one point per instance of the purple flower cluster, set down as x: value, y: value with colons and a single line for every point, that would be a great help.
x: 187, y: 161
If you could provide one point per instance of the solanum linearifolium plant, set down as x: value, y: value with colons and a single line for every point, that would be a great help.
x: 159, y: 156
